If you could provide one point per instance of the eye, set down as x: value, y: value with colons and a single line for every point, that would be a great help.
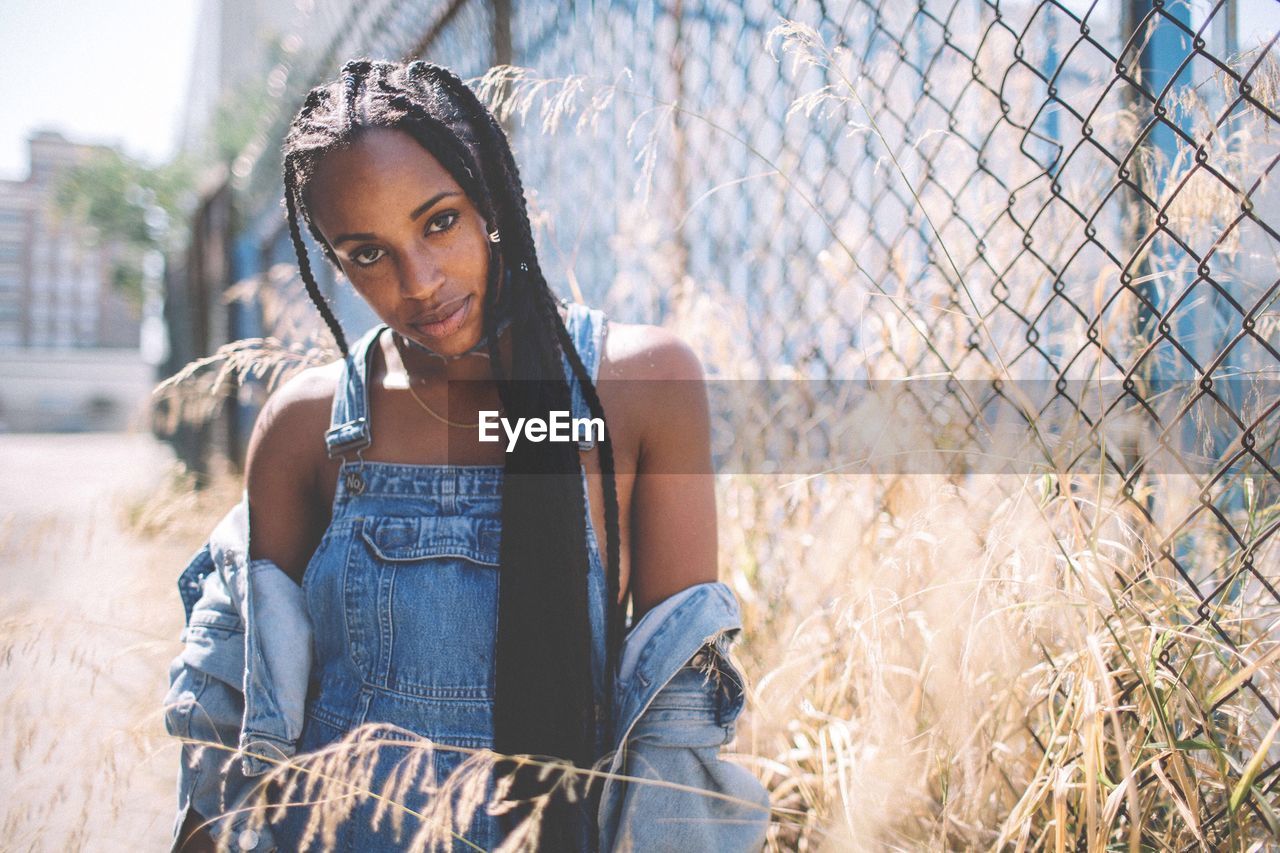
x: 367, y: 255
x: 443, y: 222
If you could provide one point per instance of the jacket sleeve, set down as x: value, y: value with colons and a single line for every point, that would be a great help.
x: 680, y: 794
x: 204, y: 709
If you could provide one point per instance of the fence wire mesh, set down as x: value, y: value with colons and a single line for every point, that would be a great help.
x: 979, y: 192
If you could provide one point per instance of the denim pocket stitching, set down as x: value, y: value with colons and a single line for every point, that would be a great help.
x: 478, y: 552
x: 352, y: 641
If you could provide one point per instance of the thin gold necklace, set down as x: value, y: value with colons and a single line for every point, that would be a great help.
x: 430, y: 411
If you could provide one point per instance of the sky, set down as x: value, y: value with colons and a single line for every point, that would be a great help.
x: 112, y: 71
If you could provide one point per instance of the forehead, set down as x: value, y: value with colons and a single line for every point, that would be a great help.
x: 383, y: 172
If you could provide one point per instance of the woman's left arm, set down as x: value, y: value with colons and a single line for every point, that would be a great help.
x: 678, y: 707
x: 673, y: 504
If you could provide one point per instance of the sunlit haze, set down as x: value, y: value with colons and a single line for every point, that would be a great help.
x: 113, y: 72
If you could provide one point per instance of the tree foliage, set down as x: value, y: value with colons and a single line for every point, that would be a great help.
x: 140, y: 208
x: 132, y: 205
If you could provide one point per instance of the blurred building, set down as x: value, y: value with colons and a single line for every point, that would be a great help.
x: 55, y: 289
x: 68, y: 339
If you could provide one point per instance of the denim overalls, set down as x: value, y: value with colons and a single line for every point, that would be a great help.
x: 402, y: 592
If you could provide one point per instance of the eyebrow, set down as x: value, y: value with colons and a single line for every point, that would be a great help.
x: 417, y: 211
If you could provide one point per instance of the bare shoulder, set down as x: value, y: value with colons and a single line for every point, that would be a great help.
x: 654, y: 379
x: 634, y: 351
x: 283, y: 466
x: 314, y: 385
x: 663, y: 398
x: 290, y: 428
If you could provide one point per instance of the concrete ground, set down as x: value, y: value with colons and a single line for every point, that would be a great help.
x: 94, y: 529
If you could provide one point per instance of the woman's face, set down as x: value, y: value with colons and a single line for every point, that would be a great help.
x: 407, y: 237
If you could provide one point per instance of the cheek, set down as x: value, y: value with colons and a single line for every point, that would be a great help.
x: 370, y: 286
x: 470, y: 253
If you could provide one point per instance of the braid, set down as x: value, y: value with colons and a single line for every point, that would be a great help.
x: 494, y: 297
x: 494, y: 140
x: 497, y: 281
x: 478, y: 190
x: 304, y: 263
x: 615, y: 609
x: 353, y: 74
x: 507, y: 159
x: 311, y: 103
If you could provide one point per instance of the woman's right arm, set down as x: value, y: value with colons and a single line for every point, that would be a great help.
x: 281, y: 471
x: 285, y: 461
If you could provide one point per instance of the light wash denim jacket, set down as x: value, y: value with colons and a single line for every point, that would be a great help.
x: 241, y: 681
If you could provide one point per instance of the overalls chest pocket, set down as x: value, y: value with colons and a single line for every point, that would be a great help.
x: 421, y: 602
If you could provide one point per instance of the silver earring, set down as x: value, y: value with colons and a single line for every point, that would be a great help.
x: 494, y: 237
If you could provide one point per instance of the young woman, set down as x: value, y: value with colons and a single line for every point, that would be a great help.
x: 443, y: 584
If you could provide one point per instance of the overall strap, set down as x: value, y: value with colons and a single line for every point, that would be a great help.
x: 586, y: 328
x: 349, y: 427
x: 349, y: 423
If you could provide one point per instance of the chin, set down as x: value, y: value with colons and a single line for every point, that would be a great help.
x: 454, y: 345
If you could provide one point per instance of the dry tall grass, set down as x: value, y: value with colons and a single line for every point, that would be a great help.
x: 985, y: 666
x: 87, y: 626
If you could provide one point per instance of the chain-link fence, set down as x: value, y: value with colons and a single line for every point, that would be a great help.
x: 965, y: 191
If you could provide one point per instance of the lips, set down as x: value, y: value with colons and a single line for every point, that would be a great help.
x: 444, y: 311
x: 445, y: 320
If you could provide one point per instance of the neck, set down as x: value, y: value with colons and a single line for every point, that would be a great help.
x: 420, y: 365
x: 481, y: 347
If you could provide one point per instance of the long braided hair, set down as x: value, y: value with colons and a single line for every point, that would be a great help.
x: 544, y: 702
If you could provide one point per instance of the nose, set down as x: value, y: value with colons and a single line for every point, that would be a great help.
x: 421, y: 275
